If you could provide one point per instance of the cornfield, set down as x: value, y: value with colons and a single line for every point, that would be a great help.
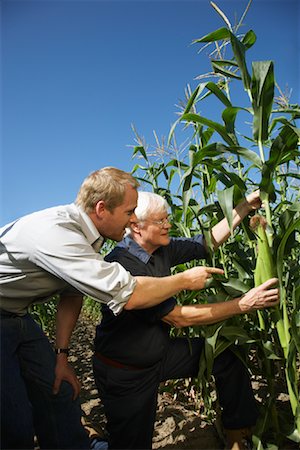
x: 203, y: 169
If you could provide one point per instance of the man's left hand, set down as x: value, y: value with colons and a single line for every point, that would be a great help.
x: 253, y: 200
x: 65, y: 372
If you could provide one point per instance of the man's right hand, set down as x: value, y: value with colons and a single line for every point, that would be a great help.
x: 260, y: 297
x: 196, y: 278
x: 150, y: 291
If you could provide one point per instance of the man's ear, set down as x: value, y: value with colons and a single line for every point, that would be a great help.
x: 100, y: 208
x: 134, y: 226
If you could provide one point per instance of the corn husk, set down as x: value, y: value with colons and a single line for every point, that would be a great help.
x: 265, y: 265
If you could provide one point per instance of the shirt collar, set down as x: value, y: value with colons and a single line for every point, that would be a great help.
x: 89, y: 229
x: 134, y: 248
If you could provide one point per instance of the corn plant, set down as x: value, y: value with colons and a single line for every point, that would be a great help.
x: 203, y: 178
x: 44, y: 314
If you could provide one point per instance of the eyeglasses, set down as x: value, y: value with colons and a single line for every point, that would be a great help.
x: 161, y: 223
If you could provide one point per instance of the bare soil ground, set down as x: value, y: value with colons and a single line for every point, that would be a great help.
x: 178, y: 424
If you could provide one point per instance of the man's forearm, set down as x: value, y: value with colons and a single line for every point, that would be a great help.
x: 68, y: 311
x: 263, y: 296
x: 150, y: 291
x: 221, y: 232
x: 186, y: 316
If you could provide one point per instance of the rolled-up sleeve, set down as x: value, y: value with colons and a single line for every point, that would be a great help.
x: 122, y: 287
x: 69, y: 256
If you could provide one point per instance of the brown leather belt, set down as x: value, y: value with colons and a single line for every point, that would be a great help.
x: 113, y: 363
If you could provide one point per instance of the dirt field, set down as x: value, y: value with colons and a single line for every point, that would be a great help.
x: 178, y: 425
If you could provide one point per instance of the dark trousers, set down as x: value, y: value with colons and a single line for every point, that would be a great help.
x: 130, y: 396
x: 28, y: 406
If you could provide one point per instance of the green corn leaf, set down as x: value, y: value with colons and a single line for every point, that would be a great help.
x: 219, y: 68
x: 286, y: 142
x: 296, y: 129
x: 179, y: 165
x: 229, y: 116
x: 266, y: 185
x: 295, y: 207
x: 211, y: 151
x: 247, y: 154
x: 249, y: 39
x: 231, y: 179
x: 225, y: 62
x: 194, y: 97
x: 290, y: 175
x: 218, y: 148
x: 214, y: 125
x: 205, y: 135
x: 283, y: 148
x: 262, y: 90
x: 210, y: 349
x: 225, y: 199
x: 295, y: 435
x: 186, y: 194
x: 243, y: 268
x: 294, y: 111
x: 218, y: 93
x: 277, y: 121
x: 217, y: 35
x: 235, y: 287
x: 187, y: 179
x: 236, y: 335
x: 239, y: 50
x: 140, y: 149
x: 280, y: 251
x: 269, y: 350
x: 295, y: 329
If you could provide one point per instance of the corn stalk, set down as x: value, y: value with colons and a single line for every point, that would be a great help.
x: 265, y: 269
x: 202, y: 184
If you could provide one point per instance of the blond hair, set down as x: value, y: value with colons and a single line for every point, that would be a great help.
x: 107, y: 184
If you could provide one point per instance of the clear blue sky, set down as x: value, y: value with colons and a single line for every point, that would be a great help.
x: 76, y: 74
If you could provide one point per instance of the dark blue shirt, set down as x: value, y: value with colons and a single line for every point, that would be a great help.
x: 139, y: 337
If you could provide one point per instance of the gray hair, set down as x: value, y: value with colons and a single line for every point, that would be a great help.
x: 148, y: 203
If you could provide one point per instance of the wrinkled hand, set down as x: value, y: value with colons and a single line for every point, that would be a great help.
x: 261, y: 297
x: 197, y: 276
x: 65, y: 372
x: 253, y: 200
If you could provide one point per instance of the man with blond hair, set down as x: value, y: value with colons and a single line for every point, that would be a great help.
x: 55, y: 252
x: 134, y: 352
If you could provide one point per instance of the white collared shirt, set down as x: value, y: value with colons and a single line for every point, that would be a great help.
x: 51, y: 251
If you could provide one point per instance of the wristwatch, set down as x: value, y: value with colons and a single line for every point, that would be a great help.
x: 62, y: 350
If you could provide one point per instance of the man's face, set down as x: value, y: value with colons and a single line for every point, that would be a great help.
x: 114, y: 223
x: 154, y: 231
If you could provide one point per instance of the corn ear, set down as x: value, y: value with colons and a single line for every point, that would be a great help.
x: 265, y: 267
x: 264, y: 270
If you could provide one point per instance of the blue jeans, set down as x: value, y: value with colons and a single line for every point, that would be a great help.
x: 28, y: 406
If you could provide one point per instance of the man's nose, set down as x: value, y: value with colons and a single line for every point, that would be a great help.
x: 133, y: 217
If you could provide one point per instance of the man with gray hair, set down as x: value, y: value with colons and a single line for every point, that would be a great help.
x: 134, y: 351
x: 55, y: 252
